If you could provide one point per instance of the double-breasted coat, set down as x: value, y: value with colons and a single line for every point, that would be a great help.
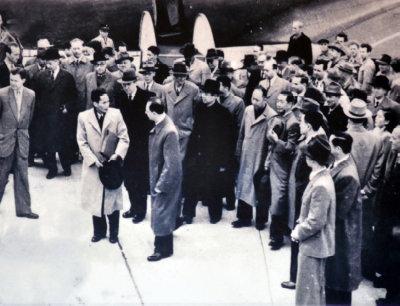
x: 180, y: 109
x: 91, y: 83
x: 90, y: 138
x: 343, y: 270
x: 165, y: 175
x: 56, y: 129
x: 251, y: 150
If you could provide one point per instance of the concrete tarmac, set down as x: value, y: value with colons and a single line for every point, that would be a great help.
x: 51, y: 260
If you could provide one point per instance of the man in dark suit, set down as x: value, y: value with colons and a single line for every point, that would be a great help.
x: 16, y: 110
x: 132, y: 102
x: 282, y: 149
x: 300, y: 44
x: 337, y: 120
x: 13, y: 53
x: 57, y: 98
x: 100, y: 78
x: 162, y: 70
x: 165, y: 178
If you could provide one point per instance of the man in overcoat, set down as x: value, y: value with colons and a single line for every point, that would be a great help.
x: 132, y: 102
x: 300, y: 44
x: 16, y: 110
x: 209, y: 156
x: 179, y: 99
x: 57, y: 101
x: 315, y: 230
x: 343, y: 270
x: 283, y: 147
x: 165, y: 178
x: 251, y: 152
x: 94, y: 127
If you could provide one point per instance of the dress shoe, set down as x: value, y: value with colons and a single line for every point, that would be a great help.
x: 241, y: 223
x: 178, y: 223
x: 229, y: 207
x: 128, y: 214
x: 67, y: 172
x: 276, y: 244
x: 30, y: 215
x: 113, y: 240
x: 288, y: 285
x: 97, y: 238
x: 51, y: 174
x: 137, y: 219
x: 260, y: 226
x: 157, y: 256
x: 214, y: 220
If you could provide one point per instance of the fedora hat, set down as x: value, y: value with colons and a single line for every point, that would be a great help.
x: 98, y: 57
x: 188, y: 50
x: 357, y: 110
x: 179, y: 69
x: 333, y: 89
x: 306, y: 105
x: 384, y: 60
x: 281, y: 56
x: 111, y: 175
x: 338, y: 48
x: 346, y: 67
x: 211, y: 86
x: 381, y: 81
x: 128, y: 76
x: 146, y: 68
x: 319, y: 149
x: 51, y: 54
x: 122, y: 57
x: 212, y: 53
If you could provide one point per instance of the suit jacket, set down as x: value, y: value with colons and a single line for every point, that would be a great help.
x: 155, y: 88
x: 343, y: 270
x: 274, y: 89
x: 13, y: 129
x: 180, y: 109
x: 316, y: 224
x: 91, y: 84
x: 301, y: 47
x: 4, y: 75
x: 90, y: 138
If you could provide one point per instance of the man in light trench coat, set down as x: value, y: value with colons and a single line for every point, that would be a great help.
x: 165, y: 168
x: 94, y: 125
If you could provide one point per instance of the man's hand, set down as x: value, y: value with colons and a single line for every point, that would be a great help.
x: 158, y: 191
x: 98, y: 163
x: 363, y: 195
x: 114, y: 157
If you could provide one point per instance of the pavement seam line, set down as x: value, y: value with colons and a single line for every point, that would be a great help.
x: 130, y: 273
x: 266, y: 266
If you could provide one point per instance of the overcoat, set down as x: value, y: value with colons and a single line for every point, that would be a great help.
x: 90, y: 140
x: 180, y: 109
x: 56, y: 129
x: 343, y: 270
x: 166, y: 175
x: 251, y: 149
x: 300, y: 46
x: 91, y: 84
x: 235, y: 106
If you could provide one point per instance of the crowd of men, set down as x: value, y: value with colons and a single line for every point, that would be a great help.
x: 310, y: 141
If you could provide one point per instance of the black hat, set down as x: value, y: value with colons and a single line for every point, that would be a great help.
x: 338, y: 48
x: 384, y: 60
x: 179, y: 69
x: 346, y: 67
x: 319, y: 149
x: 381, y: 81
x: 323, y: 41
x: 249, y: 60
x: 211, y: 86
x: 147, y: 68
x: 221, y: 53
x: 51, y: 54
x: 154, y: 49
x: 188, y: 50
x: 111, y: 175
x: 314, y: 94
x: 212, y: 53
x: 123, y: 56
x: 333, y: 89
x: 129, y: 76
x: 105, y: 28
x: 98, y: 57
x: 281, y: 56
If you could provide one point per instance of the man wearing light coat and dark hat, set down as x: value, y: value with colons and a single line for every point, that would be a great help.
x: 101, y: 129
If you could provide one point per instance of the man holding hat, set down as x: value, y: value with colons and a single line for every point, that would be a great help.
x: 104, y: 38
x: 132, y: 102
x: 337, y: 120
x: 209, y: 157
x: 100, y: 78
x: 368, y: 154
x: 336, y: 52
x: 162, y: 70
x: 179, y: 98
x: 58, y: 99
x: 199, y: 71
x: 149, y: 71
x: 379, y: 98
x: 315, y: 231
x: 103, y: 141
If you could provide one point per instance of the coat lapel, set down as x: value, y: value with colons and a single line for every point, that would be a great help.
x: 24, y: 104
x: 13, y: 103
x: 182, y: 94
x: 93, y: 121
x: 106, y: 123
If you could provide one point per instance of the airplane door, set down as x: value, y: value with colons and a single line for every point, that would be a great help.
x: 203, y: 37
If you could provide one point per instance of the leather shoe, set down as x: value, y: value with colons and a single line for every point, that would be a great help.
x: 128, y: 214
x: 137, y: 219
x: 157, y: 256
x: 51, y: 174
x: 30, y: 215
x: 113, y: 240
x: 241, y: 223
x: 97, y: 238
x: 275, y: 245
x: 288, y: 285
x: 215, y: 221
x: 260, y: 226
x: 229, y: 207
